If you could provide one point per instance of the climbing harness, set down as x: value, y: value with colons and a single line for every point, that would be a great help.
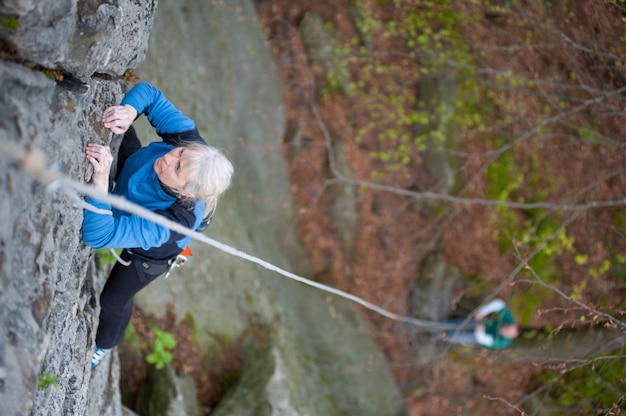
x: 178, y: 261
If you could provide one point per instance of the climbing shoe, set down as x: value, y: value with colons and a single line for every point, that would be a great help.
x: 98, y: 355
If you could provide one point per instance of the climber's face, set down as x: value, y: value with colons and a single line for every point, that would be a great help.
x: 172, y: 172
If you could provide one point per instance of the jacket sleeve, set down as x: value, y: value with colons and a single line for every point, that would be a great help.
x: 161, y: 113
x: 107, y: 231
x: 482, y: 337
x: 493, y: 306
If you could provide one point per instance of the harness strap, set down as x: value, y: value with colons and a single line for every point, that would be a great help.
x: 155, y: 266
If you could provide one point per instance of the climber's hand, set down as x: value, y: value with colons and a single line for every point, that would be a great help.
x: 119, y: 118
x: 101, y: 159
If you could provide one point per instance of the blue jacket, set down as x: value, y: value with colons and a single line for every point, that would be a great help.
x: 138, y: 183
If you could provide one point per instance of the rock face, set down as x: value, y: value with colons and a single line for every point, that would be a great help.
x: 167, y: 393
x: 318, y: 357
x: 48, y: 286
x: 80, y: 37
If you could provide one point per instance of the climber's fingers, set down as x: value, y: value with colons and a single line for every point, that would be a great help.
x: 118, y: 118
x: 100, y: 158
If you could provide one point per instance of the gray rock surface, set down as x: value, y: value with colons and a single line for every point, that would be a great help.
x: 80, y: 37
x: 49, y: 284
x: 48, y: 279
x: 211, y: 60
x: 167, y: 393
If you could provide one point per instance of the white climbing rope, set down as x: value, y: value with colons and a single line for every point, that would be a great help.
x: 32, y: 160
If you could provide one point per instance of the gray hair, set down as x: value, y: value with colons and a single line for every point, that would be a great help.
x: 212, y: 173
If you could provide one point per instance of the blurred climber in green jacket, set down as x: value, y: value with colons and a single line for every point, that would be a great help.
x: 492, y: 326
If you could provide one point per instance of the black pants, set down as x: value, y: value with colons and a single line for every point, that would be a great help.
x: 116, y: 300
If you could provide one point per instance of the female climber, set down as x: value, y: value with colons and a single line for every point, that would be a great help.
x: 180, y: 178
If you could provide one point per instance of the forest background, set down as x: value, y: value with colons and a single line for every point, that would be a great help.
x: 488, y: 135
x: 443, y: 153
